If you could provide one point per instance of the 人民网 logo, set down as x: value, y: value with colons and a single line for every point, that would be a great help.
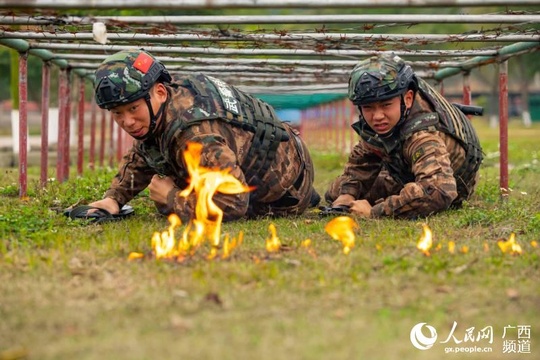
x: 419, y: 340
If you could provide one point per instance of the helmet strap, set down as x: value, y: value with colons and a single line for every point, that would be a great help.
x: 404, y: 110
x: 153, y: 117
x: 404, y: 113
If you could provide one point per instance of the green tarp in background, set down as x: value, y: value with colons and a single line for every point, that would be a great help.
x: 534, y: 107
x: 298, y: 101
x: 288, y: 107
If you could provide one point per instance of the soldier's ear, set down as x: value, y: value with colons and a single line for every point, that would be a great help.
x: 160, y: 92
x: 408, y: 98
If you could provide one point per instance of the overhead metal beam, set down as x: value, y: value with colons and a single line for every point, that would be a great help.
x: 238, y: 78
x: 239, y: 68
x: 219, y: 4
x: 435, y: 64
x: 254, y: 52
x: 279, y: 19
x: 427, y: 39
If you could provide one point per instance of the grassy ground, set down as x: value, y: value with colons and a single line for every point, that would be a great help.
x: 67, y: 290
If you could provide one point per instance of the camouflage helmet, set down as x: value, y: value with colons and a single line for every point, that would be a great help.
x: 127, y: 76
x: 380, y: 78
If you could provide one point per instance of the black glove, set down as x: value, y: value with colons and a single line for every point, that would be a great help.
x: 334, y: 210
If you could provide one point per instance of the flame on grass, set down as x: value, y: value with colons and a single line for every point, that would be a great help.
x: 510, y: 245
x: 205, y: 183
x: 342, y: 229
x: 426, y: 240
x: 451, y: 247
x: 135, y: 256
x: 164, y: 243
x: 273, y: 244
x: 206, y: 226
x: 306, y: 244
x: 229, y: 246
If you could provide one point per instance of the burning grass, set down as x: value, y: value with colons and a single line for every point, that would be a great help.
x: 69, y: 291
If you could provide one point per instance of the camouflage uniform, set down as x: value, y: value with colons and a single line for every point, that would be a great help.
x: 237, y: 132
x: 429, y: 163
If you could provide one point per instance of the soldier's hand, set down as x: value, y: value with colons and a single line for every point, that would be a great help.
x: 108, y: 204
x: 159, y: 188
x: 361, y: 208
x: 343, y: 200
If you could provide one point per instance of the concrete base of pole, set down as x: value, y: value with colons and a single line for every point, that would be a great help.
x: 53, y: 126
x: 527, y: 121
x: 493, y: 121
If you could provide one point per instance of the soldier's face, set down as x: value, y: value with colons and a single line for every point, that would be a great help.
x: 134, y: 118
x: 382, y: 116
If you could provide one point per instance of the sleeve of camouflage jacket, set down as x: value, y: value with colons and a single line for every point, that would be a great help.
x: 361, y: 170
x: 132, y: 178
x: 434, y: 187
x: 218, y: 152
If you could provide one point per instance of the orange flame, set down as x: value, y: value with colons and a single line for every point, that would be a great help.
x: 306, y: 244
x: 135, y: 256
x: 342, y: 229
x: 510, y: 245
x: 451, y: 247
x: 229, y: 246
x: 206, y: 225
x: 205, y: 183
x: 273, y: 244
x: 426, y: 240
x: 164, y: 243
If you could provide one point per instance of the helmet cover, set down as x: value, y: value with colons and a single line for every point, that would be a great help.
x: 380, y: 78
x: 127, y: 76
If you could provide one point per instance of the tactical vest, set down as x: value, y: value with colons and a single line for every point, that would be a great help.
x: 447, y: 119
x: 216, y: 100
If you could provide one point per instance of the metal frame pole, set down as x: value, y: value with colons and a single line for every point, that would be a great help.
x: 102, y: 138
x: 80, y: 129
x: 92, y: 150
x: 467, y: 96
x: 344, y: 124
x: 111, y: 141
x: 503, y: 127
x: 119, y: 143
x: 45, y: 97
x: 62, y: 80
x: 23, y: 124
x: 67, y: 120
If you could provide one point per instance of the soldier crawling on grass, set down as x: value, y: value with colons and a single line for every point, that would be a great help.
x: 237, y: 131
x: 418, y: 154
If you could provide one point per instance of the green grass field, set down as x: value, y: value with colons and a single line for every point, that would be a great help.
x: 68, y: 291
